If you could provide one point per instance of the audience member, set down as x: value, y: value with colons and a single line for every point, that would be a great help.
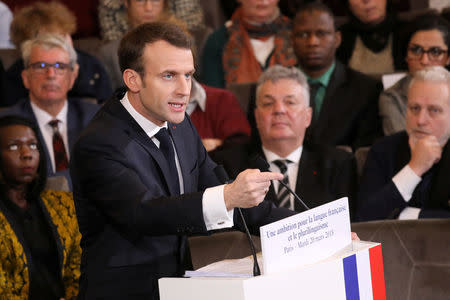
x: 143, y: 180
x: 428, y: 44
x: 51, y: 69
x: 54, y: 17
x: 406, y: 174
x: 5, y: 22
x: 217, y: 116
x: 115, y: 22
x: 318, y: 173
x: 344, y: 101
x: 138, y: 12
x: 256, y: 37
x: 40, y: 250
x: 371, y: 40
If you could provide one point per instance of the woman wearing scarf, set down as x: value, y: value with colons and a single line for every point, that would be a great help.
x: 256, y: 37
x: 371, y: 39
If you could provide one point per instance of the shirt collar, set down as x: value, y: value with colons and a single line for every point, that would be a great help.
x: 198, y: 97
x: 44, y: 117
x: 148, y: 126
x: 325, y: 78
x: 294, y: 156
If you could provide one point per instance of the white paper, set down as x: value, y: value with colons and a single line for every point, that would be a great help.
x: 307, y: 237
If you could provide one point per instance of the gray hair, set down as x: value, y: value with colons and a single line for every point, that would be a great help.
x: 431, y: 74
x: 277, y: 72
x: 48, y: 41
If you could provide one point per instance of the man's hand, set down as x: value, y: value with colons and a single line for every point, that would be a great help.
x: 211, y: 144
x: 249, y: 188
x: 425, y: 153
x: 355, y: 237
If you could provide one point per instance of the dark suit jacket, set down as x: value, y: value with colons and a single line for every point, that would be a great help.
x: 79, y: 114
x: 133, y: 225
x: 349, y: 113
x: 379, y: 198
x: 324, y: 174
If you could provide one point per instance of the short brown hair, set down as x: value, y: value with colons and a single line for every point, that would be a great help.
x: 132, y: 45
x: 29, y: 20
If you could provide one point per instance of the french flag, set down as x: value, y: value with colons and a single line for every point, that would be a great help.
x: 364, y: 275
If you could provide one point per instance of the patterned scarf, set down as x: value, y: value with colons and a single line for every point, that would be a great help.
x: 240, y: 64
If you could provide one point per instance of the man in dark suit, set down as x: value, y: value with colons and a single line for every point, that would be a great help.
x: 50, y: 73
x: 318, y: 173
x: 407, y: 174
x: 143, y: 180
x: 344, y: 101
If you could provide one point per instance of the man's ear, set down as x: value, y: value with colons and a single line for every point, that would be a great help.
x: 338, y: 37
x: 132, y: 80
x: 25, y: 81
x: 74, y: 75
x: 308, y: 116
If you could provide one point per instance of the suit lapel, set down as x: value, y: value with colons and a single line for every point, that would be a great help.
x: 308, y: 185
x: 132, y: 128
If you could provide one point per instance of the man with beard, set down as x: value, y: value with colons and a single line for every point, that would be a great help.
x: 344, y: 101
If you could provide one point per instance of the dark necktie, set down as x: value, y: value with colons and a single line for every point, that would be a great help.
x: 313, y: 88
x: 422, y: 191
x: 59, y: 151
x: 283, y: 195
x: 166, y: 148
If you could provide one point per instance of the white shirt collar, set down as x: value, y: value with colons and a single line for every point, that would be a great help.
x: 148, y: 126
x: 198, y: 97
x: 44, y: 117
x: 294, y: 156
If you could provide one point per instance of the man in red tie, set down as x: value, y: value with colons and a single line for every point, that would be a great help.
x: 50, y: 72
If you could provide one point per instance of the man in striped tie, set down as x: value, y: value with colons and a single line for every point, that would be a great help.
x: 317, y: 173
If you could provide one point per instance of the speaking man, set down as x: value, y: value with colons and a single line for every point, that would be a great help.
x: 143, y: 180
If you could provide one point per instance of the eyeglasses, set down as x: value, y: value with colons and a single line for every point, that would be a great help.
x: 434, y: 53
x: 142, y: 2
x: 43, y: 67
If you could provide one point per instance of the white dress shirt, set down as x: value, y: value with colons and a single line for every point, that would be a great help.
x: 406, y: 181
x: 43, y: 118
x: 215, y: 213
x: 292, y: 169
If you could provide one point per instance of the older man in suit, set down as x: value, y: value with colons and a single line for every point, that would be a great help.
x: 406, y: 174
x: 143, y: 180
x: 51, y: 70
x: 344, y: 101
x: 318, y: 173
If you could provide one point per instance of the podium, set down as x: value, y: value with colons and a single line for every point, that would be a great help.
x: 354, y: 273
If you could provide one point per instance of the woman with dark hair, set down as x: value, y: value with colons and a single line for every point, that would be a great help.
x: 39, y: 237
x: 371, y: 39
x: 428, y: 44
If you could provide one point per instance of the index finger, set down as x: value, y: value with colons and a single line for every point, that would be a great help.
x: 266, y: 176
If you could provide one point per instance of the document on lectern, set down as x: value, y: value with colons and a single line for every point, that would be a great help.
x: 307, y: 237
x: 302, y: 239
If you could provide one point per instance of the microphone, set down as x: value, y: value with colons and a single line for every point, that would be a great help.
x: 263, y: 166
x: 222, y: 175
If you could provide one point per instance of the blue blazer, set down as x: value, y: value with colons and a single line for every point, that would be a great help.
x: 133, y: 225
x: 79, y: 114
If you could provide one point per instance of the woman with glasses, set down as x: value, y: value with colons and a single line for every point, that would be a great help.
x: 428, y: 42
x: 39, y: 238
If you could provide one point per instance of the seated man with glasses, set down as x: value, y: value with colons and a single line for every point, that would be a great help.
x: 50, y: 72
x: 428, y: 42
